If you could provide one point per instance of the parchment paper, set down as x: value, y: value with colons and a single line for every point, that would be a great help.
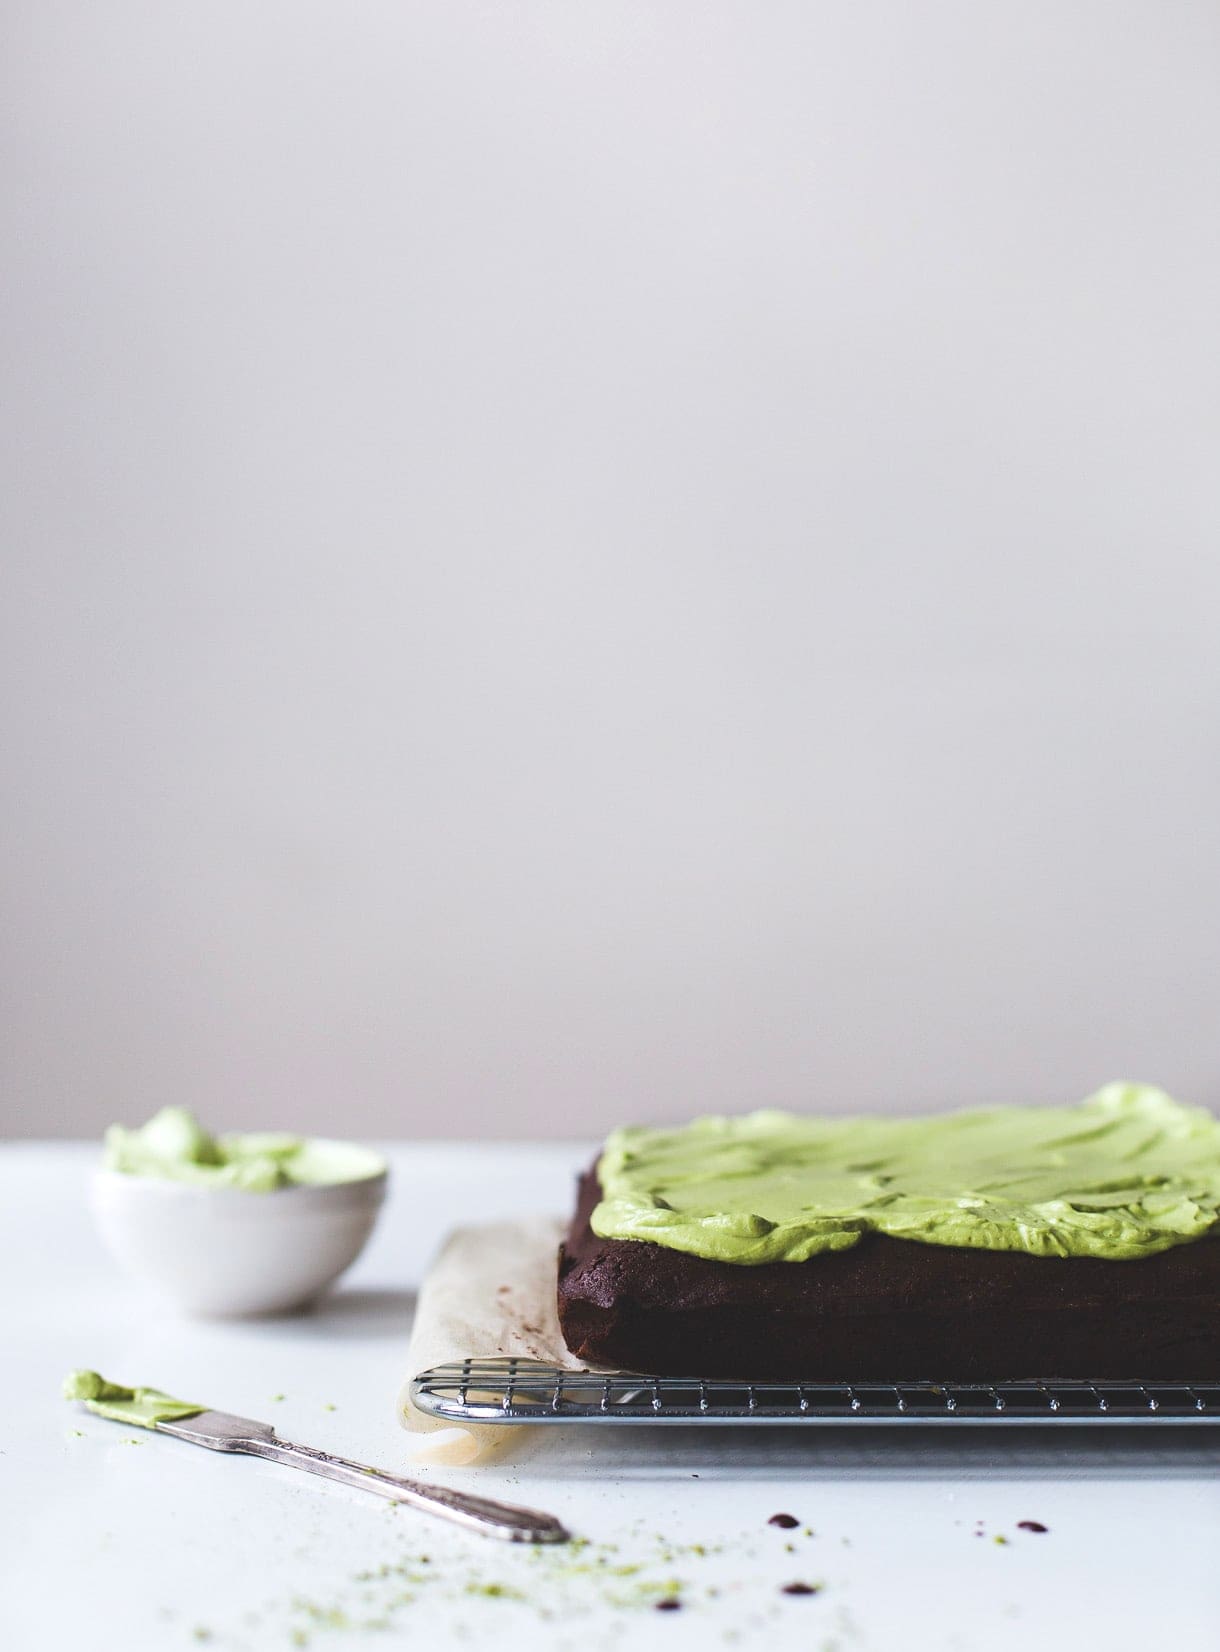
x: 490, y: 1291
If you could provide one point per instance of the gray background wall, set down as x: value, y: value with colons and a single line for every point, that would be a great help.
x: 569, y: 562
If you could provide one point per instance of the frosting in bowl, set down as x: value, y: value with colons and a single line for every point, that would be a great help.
x: 173, y: 1146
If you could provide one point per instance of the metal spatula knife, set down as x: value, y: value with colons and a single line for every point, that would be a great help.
x: 220, y: 1432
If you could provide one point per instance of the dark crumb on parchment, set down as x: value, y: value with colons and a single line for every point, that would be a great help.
x: 669, y: 1604
x: 1031, y: 1526
x: 786, y: 1521
x: 801, y: 1589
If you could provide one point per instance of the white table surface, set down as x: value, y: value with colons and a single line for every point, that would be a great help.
x: 112, y: 1544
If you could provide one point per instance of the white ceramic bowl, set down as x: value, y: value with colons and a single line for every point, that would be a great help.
x: 224, y: 1252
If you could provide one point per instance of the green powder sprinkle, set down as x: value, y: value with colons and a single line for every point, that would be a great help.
x: 549, y: 1585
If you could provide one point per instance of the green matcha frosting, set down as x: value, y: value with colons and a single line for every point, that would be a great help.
x: 142, y: 1407
x: 1125, y: 1174
x: 173, y: 1146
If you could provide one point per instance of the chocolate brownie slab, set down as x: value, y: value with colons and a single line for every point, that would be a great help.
x: 889, y: 1310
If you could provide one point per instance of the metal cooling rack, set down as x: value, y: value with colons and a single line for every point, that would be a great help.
x: 524, y: 1391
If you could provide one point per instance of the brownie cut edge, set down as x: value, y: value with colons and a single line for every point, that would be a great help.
x: 888, y: 1310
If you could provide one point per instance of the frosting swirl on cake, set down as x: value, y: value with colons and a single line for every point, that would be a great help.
x: 1126, y: 1173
